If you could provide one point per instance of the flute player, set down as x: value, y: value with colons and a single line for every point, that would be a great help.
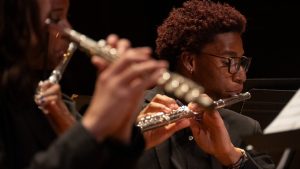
x: 202, y: 40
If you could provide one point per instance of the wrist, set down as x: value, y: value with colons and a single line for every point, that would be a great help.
x: 240, y: 162
x: 230, y: 157
x: 94, y: 126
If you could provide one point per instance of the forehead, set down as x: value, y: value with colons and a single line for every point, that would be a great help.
x: 226, y: 42
x: 60, y: 4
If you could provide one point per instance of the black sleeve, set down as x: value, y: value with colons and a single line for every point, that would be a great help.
x: 77, y: 149
x: 258, y: 161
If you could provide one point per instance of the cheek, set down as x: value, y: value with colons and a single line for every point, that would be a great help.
x: 45, y: 7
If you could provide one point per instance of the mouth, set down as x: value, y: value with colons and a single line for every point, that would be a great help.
x: 234, y: 92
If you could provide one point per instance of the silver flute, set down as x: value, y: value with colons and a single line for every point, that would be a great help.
x: 171, y: 82
x: 160, y: 119
x: 57, y: 73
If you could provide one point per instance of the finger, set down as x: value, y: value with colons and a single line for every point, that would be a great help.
x: 147, y: 71
x: 195, y: 126
x: 195, y: 107
x: 145, y: 81
x: 52, y: 108
x: 132, y: 56
x: 44, y: 101
x: 112, y: 40
x: 53, y: 90
x: 139, y: 85
x: 99, y: 62
x: 156, y: 107
x: 44, y: 85
x: 163, y: 99
x: 174, y: 127
x: 123, y: 45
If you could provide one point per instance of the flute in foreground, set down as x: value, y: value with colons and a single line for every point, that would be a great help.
x: 171, y: 82
x: 160, y: 119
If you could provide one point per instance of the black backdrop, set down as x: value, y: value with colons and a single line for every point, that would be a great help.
x: 271, y: 39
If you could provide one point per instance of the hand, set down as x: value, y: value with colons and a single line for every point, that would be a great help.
x: 119, y: 91
x: 49, y: 100
x: 113, y: 41
x: 162, y: 103
x: 212, y: 137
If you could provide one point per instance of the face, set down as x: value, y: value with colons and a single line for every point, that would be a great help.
x: 57, y: 44
x: 212, y: 72
x: 45, y: 8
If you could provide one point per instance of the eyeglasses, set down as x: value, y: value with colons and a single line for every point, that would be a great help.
x: 234, y: 63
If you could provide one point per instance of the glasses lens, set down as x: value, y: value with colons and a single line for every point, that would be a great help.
x: 236, y: 63
x: 245, y: 63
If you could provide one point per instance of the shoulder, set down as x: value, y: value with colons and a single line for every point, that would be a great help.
x: 239, y: 123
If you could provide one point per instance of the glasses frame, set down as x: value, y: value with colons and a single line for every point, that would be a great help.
x: 232, y: 66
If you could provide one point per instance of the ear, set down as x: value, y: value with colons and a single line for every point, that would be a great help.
x: 188, y: 61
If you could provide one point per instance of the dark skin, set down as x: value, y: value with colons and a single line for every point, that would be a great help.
x: 212, y: 72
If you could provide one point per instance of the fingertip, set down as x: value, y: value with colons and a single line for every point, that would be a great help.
x: 124, y: 43
x: 99, y: 62
x: 148, y: 50
x: 112, y: 39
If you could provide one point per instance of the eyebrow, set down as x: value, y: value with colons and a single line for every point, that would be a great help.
x: 231, y: 53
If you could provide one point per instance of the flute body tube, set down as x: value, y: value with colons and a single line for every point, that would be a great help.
x: 160, y: 119
x: 57, y: 73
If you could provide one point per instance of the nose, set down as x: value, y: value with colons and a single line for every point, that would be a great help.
x: 240, y: 76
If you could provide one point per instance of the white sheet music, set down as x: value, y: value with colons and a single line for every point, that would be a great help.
x: 288, y: 118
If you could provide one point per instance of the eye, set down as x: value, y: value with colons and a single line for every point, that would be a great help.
x: 54, y: 19
x: 55, y: 16
x: 225, y: 63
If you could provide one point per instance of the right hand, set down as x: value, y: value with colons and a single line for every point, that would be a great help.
x: 118, y: 92
x: 211, y: 135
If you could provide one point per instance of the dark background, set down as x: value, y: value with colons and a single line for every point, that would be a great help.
x: 271, y: 38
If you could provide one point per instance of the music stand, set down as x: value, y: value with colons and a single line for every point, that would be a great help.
x: 286, y: 142
x: 283, y: 135
x: 264, y: 105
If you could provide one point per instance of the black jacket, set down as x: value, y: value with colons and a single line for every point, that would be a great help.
x: 28, y: 141
x: 182, y: 152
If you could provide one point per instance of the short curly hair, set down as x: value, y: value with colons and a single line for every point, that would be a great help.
x: 193, y: 25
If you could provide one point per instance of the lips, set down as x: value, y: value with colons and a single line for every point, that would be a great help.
x: 235, y: 91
